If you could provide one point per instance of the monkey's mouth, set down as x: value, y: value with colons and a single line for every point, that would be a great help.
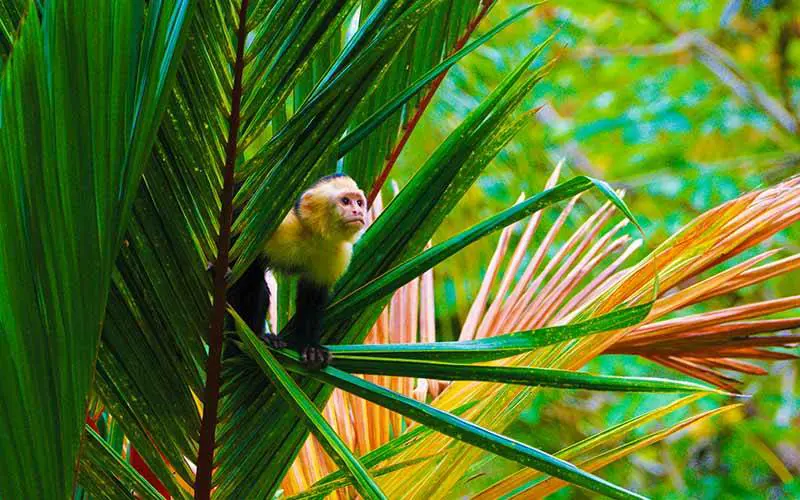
x: 355, y: 220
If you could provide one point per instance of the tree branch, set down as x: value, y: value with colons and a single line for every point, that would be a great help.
x: 571, y: 149
x: 680, y: 44
x: 786, y: 33
x: 723, y: 66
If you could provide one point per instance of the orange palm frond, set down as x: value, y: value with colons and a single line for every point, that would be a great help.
x: 576, y: 283
x: 584, y: 277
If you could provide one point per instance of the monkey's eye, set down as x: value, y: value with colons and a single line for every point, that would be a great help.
x: 345, y: 201
x: 360, y: 203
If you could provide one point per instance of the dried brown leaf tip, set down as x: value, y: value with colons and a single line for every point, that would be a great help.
x: 703, y: 345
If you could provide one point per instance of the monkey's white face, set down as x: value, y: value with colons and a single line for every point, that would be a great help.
x: 351, y: 207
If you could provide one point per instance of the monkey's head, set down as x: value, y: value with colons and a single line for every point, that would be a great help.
x: 334, y: 207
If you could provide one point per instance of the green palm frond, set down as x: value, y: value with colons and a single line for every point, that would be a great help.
x: 421, y: 206
x: 82, y: 95
x: 142, y: 141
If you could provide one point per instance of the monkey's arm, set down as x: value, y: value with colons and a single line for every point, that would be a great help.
x: 310, y: 306
x: 250, y: 297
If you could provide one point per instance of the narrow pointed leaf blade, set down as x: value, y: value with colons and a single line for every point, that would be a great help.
x: 550, y: 485
x: 81, y: 97
x: 304, y: 408
x: 363, y: 129
x: 542, y: 377
x: 105, y: 474
x: 460, y: 429
x: 498, y: 347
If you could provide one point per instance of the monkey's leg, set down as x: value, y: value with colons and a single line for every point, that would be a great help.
x: 249, y: 296
x: 310, y: 305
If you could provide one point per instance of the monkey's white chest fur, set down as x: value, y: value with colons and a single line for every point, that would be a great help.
x: 295, y: 250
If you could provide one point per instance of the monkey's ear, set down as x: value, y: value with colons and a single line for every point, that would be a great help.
x: 309, y: 199
x: 312, y: 203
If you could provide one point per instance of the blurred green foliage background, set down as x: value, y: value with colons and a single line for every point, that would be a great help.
x: 684, y: 104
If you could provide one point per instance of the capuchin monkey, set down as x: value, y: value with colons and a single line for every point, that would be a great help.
x: 314, y: 242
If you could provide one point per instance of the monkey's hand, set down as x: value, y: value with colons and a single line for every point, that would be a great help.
x: 315, y: 357
x: 274, y: 341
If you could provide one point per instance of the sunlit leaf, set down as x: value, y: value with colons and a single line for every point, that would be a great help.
x: 510, y: 375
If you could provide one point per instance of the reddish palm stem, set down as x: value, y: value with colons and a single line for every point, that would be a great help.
x: 411, y: 123
x: 208, y: 426
x: 138, y: 463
